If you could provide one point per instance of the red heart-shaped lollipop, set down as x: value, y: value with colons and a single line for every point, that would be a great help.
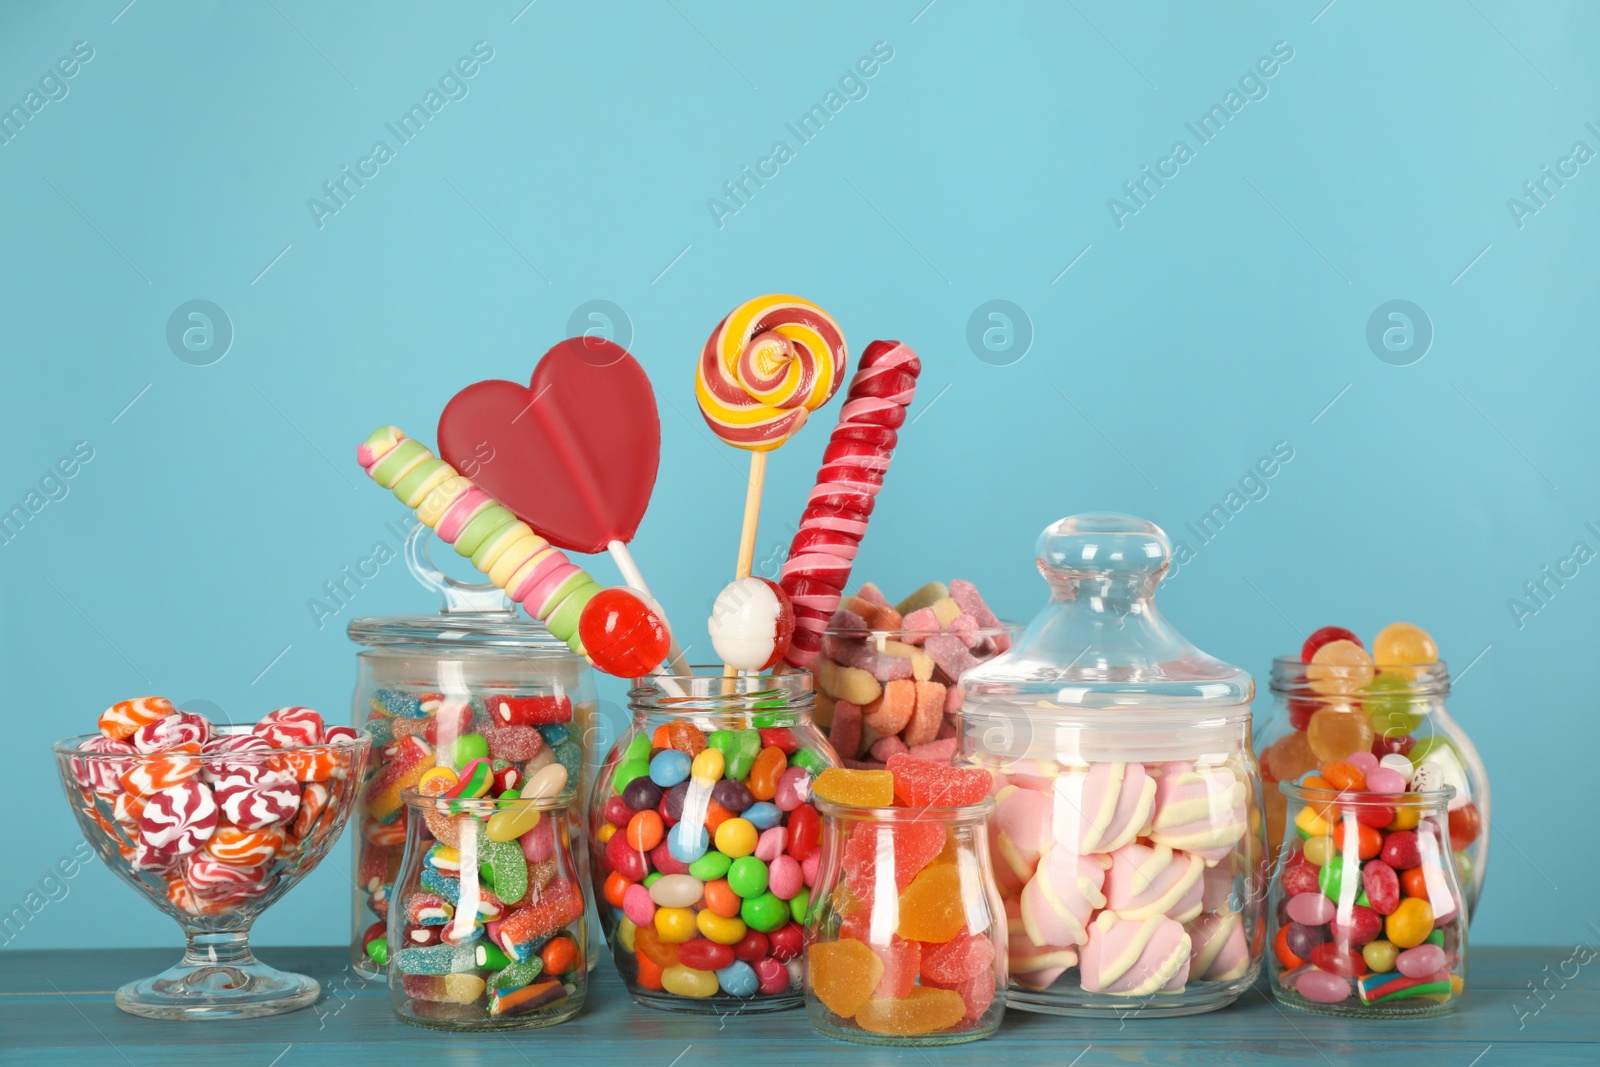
x: 574, y: 454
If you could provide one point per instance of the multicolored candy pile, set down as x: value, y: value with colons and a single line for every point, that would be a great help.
x: 1368, y: 906
x: 705, y: 845
x: 930, y: 960
x: 887, y: 674
x: 214, y: 813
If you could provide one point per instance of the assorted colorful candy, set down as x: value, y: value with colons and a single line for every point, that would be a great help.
x: 704, y: 844
x: 1367, y: 910
x: 1359, y: 702
x: 488, y: 927
x: 210, y: 817
x: 886, y: 678
x: 499, y: 738
x: 925, y: 964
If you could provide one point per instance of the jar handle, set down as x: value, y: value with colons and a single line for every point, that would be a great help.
x: 456, y: 597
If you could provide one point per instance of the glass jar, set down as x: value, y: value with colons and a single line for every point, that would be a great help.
x: 1127, y: 833
x: 706, y: 796
x: 907, y: 942
x: 437, y: 689
x: 1381, y: 710
x: 486, y: 930
x: 1373, y: 931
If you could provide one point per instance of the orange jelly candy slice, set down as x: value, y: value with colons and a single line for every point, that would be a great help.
x: 926, y: 1010
x: 861, y: 789
x: 931, y: 907
x: 843, y: 974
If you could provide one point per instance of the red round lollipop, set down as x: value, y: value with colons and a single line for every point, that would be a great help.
x: 1326, y: 636
x: 624, y: 632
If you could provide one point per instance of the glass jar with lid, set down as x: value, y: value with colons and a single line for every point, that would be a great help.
x: 476, y: 680
x: 1127, y: 832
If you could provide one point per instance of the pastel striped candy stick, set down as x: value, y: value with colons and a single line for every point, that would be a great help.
x: 533, y: 573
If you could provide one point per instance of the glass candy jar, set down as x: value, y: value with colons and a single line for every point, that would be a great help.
x: 704, y: 840
x: 1127, y: 833
x: 1368, y: 917
x: 1329, y: 712
x: 477, y: 679
x: 907, y: 942
x: 486, y: 928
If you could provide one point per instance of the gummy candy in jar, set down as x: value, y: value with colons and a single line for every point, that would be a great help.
x: 1337, y: 698
x: 475, y: 681
x: 1127, y: 829
x: 704, y: 841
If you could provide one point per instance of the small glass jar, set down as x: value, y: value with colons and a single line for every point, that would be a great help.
x: 1368, y: 917
x: 704, y: 840
x: 436, y: 689
x: 1127, y: 833
x: 907, y: 942
x: 486, y: 928
x: 1330, y: 712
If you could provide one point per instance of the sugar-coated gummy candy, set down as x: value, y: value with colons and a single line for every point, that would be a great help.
x: 918, y: 783
x: 437, y: 960
x: 843, y: 974
x: 925, y: 1010
x: 867, y: 789
x: 510, y: 1002
x: 931, y: 907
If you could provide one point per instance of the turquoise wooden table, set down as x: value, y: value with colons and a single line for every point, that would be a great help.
x: 55, y: 1008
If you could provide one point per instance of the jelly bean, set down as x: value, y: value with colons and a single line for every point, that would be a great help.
x: 805, y: 832
x: 752, y: 946
x: 800, y: 906
x: 645, y: 830
x: 676, y: 891
x: 1421, y: 961
x: 641, y: 793
x: 1312, y: 909
x: 1365, y: 762
x: 811, y: 760
x: 794, y: 788
x: 705, y: 955
x: 637, y: 904
x: 685, y: 982
x: 675, y: 925
x: 616, y: 811
x: 1344, y: 962
x: 1331, y: 879
x: 763, y: 815
x: 688, y: 843
x: 652, y: 878
x: 784, y: 877
x: 512, y: 821
x: 1379, y: 956
x: 1382, y: 886
x: 686, y: 738
x: 1401, y: 851
x: 736, y: 837
x: 748, y: 877
x: 1336, y: 732
x: 766, y: 912
x: 1352, y: 836
x: 738, y: 979
x: 762, y: 780
x: 671, y: 806
x: 810, y: 867
x: 724, y: 930
x: 627, y: 771
x: 721, y: 899
x: 1280, y: 948
x: 669, y: 767
x: 711, y: 866
x: 1414, y: 883
x: 1300, y: 877
x: 606, y: 833
x: 651, y: 945
x: 1405, y: 818
x: 769, y: 846
x: 1410, y: 923
x: 1311, y: 824
x: 1319, y: 850
x: 732, y: 795
x: 1384, y: 780
x: 716, y: 815
x: 1342, y: 774
x: 707, y: 767
x: 1466, y: 825
x: 739, y: 748
x: 650, y: 973
x: 1322, y: 987
x: 786, y: 941
x: 625, y: 860
x: 773, y: 975
x: 1399, y: 764
x: 560, y: 956
x: 1358, y: 927
x: 1370, y: 814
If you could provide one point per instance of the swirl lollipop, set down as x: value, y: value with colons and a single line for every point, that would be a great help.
x: 764, y: 369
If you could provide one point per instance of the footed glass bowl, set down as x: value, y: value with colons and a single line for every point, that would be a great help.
x: 213, y: 837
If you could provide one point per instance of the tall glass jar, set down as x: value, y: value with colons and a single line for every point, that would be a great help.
x: 1331, y: 712
x: 1368, y: 919
x: 1127, y: 831
x: 704, y: 840
x: 907, y: 943
x: 475, y: 679
x: 487, y: 928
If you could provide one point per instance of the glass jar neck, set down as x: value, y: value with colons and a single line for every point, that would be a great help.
x: 1113, y: 593
x: 1414, y: 682
x: 742, y: 701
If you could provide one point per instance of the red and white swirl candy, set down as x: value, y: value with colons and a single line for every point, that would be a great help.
x: 242, y: 756
x: 258, y: 805
x: 212, y: 878
x: 290, y: 727
x: 180, y: 818
x: 102, y: 775
x: 181, y: 728
x: 847, y: 486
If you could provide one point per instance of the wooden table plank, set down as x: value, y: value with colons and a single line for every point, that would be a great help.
x: 57, y: 1007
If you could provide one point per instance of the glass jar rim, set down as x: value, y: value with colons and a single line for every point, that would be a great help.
x: 67, y: 746
x: 480, y: 807
x: 1290, y: 675
x: 1007, y: 628
x: 701, y: 692
x: 486, y: 633
x: 978, y: 809
x: 1318, y: 795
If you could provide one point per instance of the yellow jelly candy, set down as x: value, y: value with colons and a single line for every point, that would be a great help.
x: 688, y: 982
x: 1339, y: 668
x: 843, y: 974
x: 625, y: 933
x: 707, y: 767
x: 1337, y: 733
x: 1312, y: 823
x: 1409, y: 924
x: 512, y: 821
x: 931, y: 907
x: 861, y: 789
x: 925, y: 1010
x: 723, y: 931
x: 676, y: 925
x: 1402, y: 644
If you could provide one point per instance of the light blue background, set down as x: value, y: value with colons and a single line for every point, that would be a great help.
x: 1227, y: 315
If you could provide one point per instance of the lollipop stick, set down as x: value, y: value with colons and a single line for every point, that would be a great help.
x: 635, y: 579
x: 752, y: 520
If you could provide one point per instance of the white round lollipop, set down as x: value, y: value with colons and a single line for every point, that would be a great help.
x: 751, y: 624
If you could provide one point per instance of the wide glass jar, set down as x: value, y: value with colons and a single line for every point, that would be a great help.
x: 907, y: 942
x: 477, y: 679
x: 1368, y: 917
x: 705, y: 843
x: 1127, y: 833
x: 1329, y: 712
x: 486, y: 928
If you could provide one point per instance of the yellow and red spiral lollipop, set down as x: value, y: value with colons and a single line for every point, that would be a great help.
x: 769, y: 364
